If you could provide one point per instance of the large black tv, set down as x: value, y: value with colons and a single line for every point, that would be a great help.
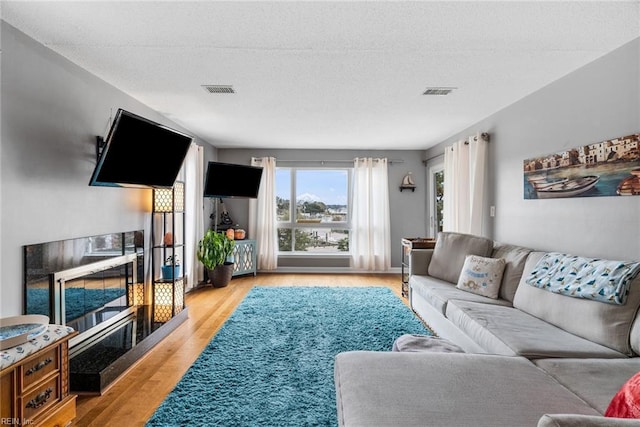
x: 140, y: 153
x: 231, y: 180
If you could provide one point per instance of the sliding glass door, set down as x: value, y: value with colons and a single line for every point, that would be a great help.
x: 436, y: 198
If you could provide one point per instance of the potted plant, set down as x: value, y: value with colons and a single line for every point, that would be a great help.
x: 171, y: 267
x: 214, y: 252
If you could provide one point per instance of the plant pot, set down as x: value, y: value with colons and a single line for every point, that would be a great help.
x: 220, y: 276
x: 168, y: 273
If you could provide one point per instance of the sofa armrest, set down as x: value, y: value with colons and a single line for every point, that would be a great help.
x: 575, y: 420
x: 419, y: 260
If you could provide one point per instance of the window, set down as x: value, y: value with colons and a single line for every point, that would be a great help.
x: 313, y: 210
x: 436, y: 198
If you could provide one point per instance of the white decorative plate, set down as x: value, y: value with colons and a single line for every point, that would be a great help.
x: 18, y: 330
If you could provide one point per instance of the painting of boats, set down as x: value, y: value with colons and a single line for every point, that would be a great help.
x: 607, y: 168
x: 630, y: 186
x: 568, y: 187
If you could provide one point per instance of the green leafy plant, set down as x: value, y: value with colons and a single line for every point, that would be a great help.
x: 214, y: 249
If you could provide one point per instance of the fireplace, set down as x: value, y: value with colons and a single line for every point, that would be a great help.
x: 95, y: 285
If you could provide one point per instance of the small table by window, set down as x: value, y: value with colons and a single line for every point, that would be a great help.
x: 408, y: 244
x: 245, y: 254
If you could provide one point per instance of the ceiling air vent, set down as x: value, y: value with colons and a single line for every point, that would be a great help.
x: 439, y: 90
x: 219, y: 88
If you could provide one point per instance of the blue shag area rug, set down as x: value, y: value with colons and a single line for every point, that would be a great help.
x: 271, y: 363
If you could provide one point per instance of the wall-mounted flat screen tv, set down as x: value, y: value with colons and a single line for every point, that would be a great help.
x: 231, y: 180
x: 140, y: 153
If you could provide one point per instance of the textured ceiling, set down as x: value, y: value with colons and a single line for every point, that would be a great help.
x: 328, y: 74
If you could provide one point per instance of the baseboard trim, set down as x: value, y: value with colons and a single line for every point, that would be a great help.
x: 329, y: 270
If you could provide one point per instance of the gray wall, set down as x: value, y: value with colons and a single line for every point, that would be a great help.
x: 597, y: 102
x: 408, y: 209
x: 52, y: 111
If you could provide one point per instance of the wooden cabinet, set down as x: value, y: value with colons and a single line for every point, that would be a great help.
x: 35, y: 390
x: 408, y: 244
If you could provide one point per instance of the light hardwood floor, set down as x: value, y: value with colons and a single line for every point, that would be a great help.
x: 133, y: 398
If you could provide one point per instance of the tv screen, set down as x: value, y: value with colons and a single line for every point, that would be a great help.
x: 140, y: 153
x: 230, y: 180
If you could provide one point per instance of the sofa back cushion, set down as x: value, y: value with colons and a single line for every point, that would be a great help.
x: 450, y: 252
x: 606, y: 324
x: 515, y: 258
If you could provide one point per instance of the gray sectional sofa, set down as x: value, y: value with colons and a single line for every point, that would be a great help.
x: 532, y: 357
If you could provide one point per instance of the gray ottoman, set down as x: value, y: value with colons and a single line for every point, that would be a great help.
x: 424, y: 343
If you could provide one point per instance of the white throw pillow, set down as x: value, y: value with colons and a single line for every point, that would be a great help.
x: 481, y: 275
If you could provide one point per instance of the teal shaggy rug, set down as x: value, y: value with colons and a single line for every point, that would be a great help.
x: 271, y: 363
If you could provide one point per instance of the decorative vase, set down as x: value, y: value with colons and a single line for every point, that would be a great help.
x: 168, y: 238
x: 221, y: 275
x: 239, y: 234
x: 169, y: 272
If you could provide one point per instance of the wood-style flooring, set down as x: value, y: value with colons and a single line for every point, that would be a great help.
x: 134, y: 397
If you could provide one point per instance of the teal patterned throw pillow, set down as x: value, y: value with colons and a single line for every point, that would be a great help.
x: 596, y: 279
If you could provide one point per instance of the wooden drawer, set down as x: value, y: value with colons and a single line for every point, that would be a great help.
x: 7, y: 391
x: 61, y: 416
x: 41, y: 398
x: 35, y: 390
x: 37, y: 369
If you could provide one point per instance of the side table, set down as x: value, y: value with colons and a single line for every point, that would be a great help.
x: 408, y: 244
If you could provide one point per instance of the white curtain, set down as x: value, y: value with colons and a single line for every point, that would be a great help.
x: 370, y: 218
x: 262, y: 215
x: 465, y: 172
x: 194, y: 213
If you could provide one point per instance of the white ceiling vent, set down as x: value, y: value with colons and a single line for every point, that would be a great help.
x: 439, y: 90
x: 219, y: 88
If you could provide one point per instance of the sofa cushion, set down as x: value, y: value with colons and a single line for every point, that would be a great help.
x: 515, y: 258
x: 509, y: 331
x: 481, y: 276
x: 606, y: 324
x: 596, y: 381
x: 446, y: 389
x: 437, y: 292
x: 450, y: 252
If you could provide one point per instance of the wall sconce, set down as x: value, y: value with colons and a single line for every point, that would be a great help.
x: 163, y: 198
x: 408, y: 183
x: 168, y: 300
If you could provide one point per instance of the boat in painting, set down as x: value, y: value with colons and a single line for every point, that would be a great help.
x: 630, y: 186
x: 539, y: 182
x: 568, y: 188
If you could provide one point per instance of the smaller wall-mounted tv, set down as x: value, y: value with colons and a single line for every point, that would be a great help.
x: 231, y: 180
x: 140, y: 153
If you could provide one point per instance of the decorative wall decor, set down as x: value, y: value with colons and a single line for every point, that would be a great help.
x: 606, y: 168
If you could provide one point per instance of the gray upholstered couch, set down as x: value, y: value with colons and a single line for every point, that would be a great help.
x: 532, y: 357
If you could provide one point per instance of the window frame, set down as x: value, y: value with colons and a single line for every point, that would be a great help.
x: 293, y: 224
x: 434, y: 169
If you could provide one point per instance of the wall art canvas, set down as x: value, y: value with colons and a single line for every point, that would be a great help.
x: 606, y: 168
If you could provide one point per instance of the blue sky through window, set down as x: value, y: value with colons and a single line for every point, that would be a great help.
x: 329, y: 186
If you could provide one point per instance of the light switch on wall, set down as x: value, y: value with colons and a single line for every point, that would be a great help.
x: 492, y: 211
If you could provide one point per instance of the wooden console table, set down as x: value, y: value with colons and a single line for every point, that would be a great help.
x: 408, y: 244
x: 35, y: 390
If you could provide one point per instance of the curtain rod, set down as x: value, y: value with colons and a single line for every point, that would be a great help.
x: 483, y: 135
x: 391, y: 161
